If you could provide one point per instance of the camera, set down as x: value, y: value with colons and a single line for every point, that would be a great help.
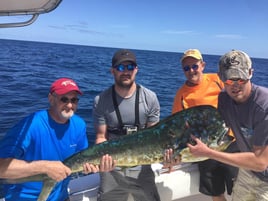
x: 129, y: 129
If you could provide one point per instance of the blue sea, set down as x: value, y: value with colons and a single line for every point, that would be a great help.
x: 28, y: 69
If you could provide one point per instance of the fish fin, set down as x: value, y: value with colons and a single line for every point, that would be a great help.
x: 48, y: 186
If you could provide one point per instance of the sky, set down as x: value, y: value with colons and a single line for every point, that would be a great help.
x: 212, y: 26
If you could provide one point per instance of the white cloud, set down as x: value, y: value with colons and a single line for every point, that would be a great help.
x: 229, y: 36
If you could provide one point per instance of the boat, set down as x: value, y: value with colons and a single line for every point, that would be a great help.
x: 27, y: 8
x: 182, y: 182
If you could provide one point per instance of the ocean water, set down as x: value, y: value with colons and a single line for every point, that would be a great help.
x: 27, y: 70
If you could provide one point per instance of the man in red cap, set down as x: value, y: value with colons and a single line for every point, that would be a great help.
x: 66, y: 91
x: 38, y: 144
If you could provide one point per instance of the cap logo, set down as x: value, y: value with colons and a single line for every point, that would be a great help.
x: 232, y: 62
x: 68, y: 82
x: 191, y: 52
x: 125, y: 53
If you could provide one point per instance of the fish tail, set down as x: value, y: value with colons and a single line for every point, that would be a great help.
x: 48, y: 186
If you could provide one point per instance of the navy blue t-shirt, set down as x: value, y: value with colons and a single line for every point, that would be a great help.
x: 248, y: 120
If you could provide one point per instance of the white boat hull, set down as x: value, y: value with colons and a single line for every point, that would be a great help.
x: 181, y: 183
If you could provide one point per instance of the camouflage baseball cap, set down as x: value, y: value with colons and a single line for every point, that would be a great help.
x: 235, y: 65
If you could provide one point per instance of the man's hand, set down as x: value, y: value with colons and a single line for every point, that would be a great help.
x: 56, y: 170
x: 199, y: 149
x: 170, y: 160
x: 106, y: 164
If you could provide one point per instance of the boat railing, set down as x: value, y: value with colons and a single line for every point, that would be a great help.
x: 24, y: 8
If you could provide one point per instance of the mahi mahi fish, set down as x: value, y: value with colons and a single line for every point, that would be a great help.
x: 147, y: 146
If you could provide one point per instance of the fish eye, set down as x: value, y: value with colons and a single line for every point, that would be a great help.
x: 192, y: 141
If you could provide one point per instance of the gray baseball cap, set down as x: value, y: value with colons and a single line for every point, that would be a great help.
x: 235, y: 65
x: 123, y: 55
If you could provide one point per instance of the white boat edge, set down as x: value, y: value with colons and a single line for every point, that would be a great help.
x: 181, y: 183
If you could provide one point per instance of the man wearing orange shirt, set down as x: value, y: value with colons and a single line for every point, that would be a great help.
x: 203, y: 89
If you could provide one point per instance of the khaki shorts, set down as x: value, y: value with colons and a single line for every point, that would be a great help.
x: 248, y: 187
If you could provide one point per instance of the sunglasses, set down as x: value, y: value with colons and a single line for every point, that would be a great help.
x: 67, y: 100
x: 121, y: 67
x: 238, y: 81
x: 187, y: 68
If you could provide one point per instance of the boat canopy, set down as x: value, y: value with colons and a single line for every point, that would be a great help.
x: 32, y: 8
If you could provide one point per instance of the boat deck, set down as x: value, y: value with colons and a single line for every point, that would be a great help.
x: 201, y: 197
x: 179, y: 185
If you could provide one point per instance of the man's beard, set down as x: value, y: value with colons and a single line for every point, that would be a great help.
x: 124, y: 85
x: 67, y: 115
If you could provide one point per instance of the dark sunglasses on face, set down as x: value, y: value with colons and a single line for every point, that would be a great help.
x: 187, y: 68
x: 122, y: 67
x: 67, y: 100
x: 233, y: 81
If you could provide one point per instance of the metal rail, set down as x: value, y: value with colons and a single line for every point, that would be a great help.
x: 20, y: 24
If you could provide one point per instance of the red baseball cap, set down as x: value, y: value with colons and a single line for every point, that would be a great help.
x: 64, y: 86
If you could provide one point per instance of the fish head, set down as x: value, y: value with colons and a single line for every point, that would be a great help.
x: 223, y: 142
x: 205, y: 123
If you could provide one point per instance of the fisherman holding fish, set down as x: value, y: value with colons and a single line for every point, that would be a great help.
x: 40, y: 142
x: 203, y: 89
x: 123, y: 109
x: 244, y: 107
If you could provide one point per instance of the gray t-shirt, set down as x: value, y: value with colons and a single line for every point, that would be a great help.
x: 249, y: 120
x: 104, y: 112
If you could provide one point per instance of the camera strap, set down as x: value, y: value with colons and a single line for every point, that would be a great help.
x: 137, y: 116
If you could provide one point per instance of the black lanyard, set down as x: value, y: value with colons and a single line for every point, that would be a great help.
x: 137, y: 117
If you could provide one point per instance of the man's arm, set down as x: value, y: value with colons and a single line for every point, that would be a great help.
x: 13, y: 169
x: 256, y: 160
x: 101, y: 133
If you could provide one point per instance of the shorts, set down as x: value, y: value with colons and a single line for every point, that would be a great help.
x: 216, y: 177
x: 116, y: 186
x: 249, y: 187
